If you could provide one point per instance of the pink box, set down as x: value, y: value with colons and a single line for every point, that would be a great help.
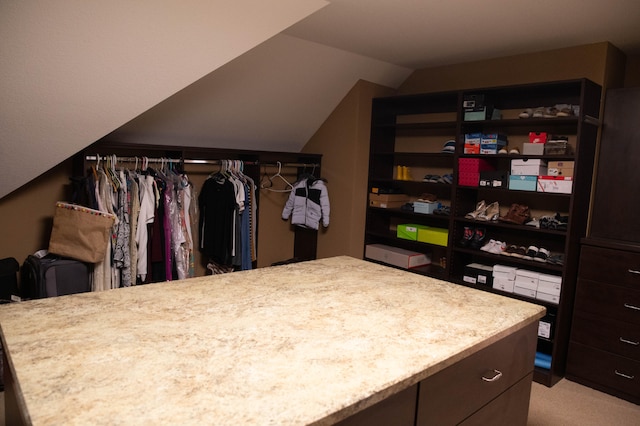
x: 469, y: 170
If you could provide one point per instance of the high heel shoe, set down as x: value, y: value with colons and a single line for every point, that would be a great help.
x: 480, y: 207
x: 491, y: 213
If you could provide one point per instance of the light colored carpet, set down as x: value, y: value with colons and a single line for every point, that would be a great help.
x: 568, y: 404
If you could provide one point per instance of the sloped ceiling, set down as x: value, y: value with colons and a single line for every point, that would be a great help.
x: 246, y: 74
x: 73, y: 71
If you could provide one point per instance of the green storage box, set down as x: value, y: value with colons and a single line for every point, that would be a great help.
x: 409, y: 231
x: 437, y: 236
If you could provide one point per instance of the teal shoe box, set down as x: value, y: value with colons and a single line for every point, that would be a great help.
x: 523, y: 182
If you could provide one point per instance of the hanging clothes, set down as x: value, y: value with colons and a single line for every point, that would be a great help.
x: 227, y: 219
x: 308, y: 204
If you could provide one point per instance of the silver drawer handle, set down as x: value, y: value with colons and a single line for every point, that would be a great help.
x: 634, y: 271
x: 496, y: 376
x: 635, y: 308
x: 626, y: 376
x: 631, y: 342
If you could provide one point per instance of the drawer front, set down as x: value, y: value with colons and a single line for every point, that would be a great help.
x: 610, y: 266
x: 608, y: 370
x: 458, y: 391
x: 607, y: 334
x: 509, y: 409
x: 608, y: 301
x: 397, y: 410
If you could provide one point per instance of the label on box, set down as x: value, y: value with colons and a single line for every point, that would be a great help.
x: 544, y: 329
x: 537, y: 137
x: 557, y: 184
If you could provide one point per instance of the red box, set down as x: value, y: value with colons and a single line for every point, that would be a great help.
x: 469, y: 170
x: 537, y: 137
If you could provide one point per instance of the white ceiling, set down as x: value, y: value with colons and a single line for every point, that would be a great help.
x: 72, y: 73
x: 275, y: 96
x: 423, y: 33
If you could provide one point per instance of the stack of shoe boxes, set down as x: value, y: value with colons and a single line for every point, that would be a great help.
x: 469, y: 170
x: 525, y: 172
x: 504, y: 277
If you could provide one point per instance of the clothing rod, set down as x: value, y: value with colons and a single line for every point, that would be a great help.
x: 197, y: 161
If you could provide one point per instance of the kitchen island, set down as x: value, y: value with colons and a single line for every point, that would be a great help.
x: 317, y: 342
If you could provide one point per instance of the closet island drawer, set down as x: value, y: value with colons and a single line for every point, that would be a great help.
x: 604, y: 369
x: 610, y: 266
x: 608, y: 301
x: 453, y: 394
x: 610, y: 335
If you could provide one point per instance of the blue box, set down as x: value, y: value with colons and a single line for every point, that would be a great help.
x: 523, y: 182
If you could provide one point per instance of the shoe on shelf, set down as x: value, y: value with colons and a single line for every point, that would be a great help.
x: 519, y: 252
x: 509, y: 250
x: 480, y: 207
x: 564, y: 110
x: 538, y: 112
x: 514, y: 151
x: 542, y: 255
x: 491, y: 213
x: 550, y: 112
x: 556, y: 259
x: 503, y: 151
x: 443, y: 210
x: 531, y: 253
x: 494, y: 247
x: 518, y: 214
x: 533, y: 222
x: 448, y: 179
x: 467, y: 236
x: 527, y: 113
x: 479, y: 235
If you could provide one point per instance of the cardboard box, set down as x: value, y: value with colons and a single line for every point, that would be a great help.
x: 527, y: 280
x: 532, y: 148
x: 494, y: 179
x: 537, y: 137
x: 477, y: 273
x: 503, y: 271
x: 408, y: 231
x: 387, y: 204
x: 551, y: 298
x: 522, y: 291
x: 557, y: 184
x: 396, y: 256
x: 492, y: 142
x: 389, y: 197
x: 560, y: 168
x: 557, y: 148
x: 523, y: 183
x: 436, y: 236
x: 546, y: 326
x: 483, y: 113
x: 425, y: 207
x: 528, y: 167
x: 473, y: 102
x: 550, y: 284
x: 472, y: 143
x: 469, y: 170
x: 503, y: 284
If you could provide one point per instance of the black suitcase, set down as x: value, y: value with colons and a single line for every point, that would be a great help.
x: 8, y: 279
x: 51, y: 276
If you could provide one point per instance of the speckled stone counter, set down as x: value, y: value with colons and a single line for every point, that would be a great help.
x: 295, y: 344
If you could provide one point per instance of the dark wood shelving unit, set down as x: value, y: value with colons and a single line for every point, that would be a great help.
x: 411, y: 131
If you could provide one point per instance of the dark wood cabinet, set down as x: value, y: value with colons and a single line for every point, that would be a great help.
x: 604, y: 350
x: 616, y: 203
x: 410, y: 131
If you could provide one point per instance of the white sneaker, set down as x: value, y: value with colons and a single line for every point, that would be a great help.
x: 498, y: 248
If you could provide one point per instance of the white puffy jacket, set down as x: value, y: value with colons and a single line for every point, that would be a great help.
x: 308, y: 203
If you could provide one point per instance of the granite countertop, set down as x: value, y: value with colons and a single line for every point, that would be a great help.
x: 293, y: 344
